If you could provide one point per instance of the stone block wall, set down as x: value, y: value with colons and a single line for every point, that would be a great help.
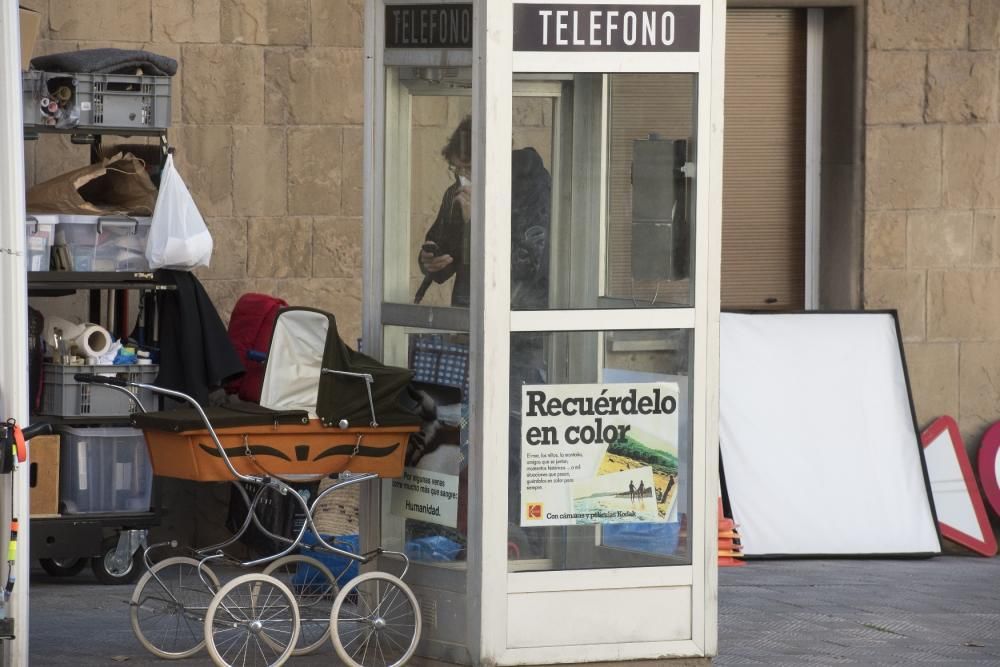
x: 932, y: 230
x: 267, y: 123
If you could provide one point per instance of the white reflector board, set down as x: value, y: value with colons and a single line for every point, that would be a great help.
x: 819, y: 444
x: 960, y: 510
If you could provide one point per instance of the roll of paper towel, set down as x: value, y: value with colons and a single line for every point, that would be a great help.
x: 92, y: 340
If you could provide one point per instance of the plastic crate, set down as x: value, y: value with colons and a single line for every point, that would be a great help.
x: 439, y: 359
x: 103, y: 101
x: 39, y: 236
x: 103, y: 243
x: 103, y: 470
x: 63, y: 396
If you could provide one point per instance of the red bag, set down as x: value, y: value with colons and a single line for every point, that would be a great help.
x: 250, y: 328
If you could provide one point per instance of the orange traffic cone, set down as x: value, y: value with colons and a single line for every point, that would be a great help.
x: 730, y: 548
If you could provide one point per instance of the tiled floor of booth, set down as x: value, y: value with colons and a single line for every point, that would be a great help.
x: 944, y: 610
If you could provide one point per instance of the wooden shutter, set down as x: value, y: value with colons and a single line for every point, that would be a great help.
x: 763, y: 194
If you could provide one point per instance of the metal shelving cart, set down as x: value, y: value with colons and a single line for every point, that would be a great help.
x: 110, y: 541
x: 123, y: 106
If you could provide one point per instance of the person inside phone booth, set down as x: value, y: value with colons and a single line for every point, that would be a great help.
x: 445, y: 252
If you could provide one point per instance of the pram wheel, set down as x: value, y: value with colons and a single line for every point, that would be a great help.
x: 253, y: 620
x: 168, y: 607
x: 314, y: 588
x: 375, y: 621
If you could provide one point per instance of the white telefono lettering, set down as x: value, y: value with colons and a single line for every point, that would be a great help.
x: 545, y: 14
x: 610, y: 25
x: 667, y: 28
x: 630, y: 24
x: 601, y: 28
x: 648, y: 28
x: 561, y: 26
x: 467, y: 27
x: 595, y: 25
x: 576, y: 30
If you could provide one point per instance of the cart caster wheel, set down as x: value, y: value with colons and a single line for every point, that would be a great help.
x: 168, y: 607
x: 107, y: 573
x: 375, y: 614
x: 63, y: 567
x: 253, y: 620
x: 315, y: 589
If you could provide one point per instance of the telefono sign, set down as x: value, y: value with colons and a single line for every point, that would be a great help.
x: 562, y: 27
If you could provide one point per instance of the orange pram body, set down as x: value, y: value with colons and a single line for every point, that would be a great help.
x: 291, y: 451
x: 317, y: 420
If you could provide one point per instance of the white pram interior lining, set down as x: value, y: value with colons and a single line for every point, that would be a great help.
x: 295, y: 361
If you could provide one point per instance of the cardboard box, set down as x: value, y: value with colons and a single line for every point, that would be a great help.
x: 30, y: 20
x: 43, y: 455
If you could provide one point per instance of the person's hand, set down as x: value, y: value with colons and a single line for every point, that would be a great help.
x: 464, y: 199
x: 433, y: 263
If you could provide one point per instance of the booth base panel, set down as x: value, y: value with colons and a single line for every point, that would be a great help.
x: 573, y: 618
x: 445, y: 625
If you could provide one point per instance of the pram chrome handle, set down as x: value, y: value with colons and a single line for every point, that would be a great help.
x: 112, y: 383
x: 123, y: 385
x: 90, y: 378
x: 369, y: 381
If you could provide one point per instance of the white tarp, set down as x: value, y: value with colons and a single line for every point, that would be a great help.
x: 819, y: 446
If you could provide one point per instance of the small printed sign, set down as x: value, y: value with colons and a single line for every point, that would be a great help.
x: 426, y: 495
x: 565, y: 27
x: 444, y: 26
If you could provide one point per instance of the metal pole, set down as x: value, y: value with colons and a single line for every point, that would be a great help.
x: 13, y: 311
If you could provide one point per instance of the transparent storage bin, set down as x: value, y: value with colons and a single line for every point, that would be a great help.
x: 40, y: 234
x: 104, y: 470
x: 102, y: 243
x: 101, y: 101
x: 62, y: 396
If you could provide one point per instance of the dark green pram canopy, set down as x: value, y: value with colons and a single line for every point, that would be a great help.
x: 309, y: 367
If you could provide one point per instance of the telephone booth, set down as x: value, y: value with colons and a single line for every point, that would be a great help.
x: 542, y: 243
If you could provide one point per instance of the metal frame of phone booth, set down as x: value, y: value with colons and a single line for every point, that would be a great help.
x: 579, y: 600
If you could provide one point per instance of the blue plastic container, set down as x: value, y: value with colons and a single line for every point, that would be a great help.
x: 433, y: 548
x: 343, y: 568
x: 656, y: 538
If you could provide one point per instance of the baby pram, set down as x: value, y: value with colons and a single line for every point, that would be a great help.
x: 328, y: 411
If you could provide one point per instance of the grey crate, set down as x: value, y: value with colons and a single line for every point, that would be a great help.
x: 103, y: 470
x: 100, y: 101
x: 63, y: 396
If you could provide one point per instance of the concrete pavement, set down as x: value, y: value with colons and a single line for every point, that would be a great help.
x: 944, y: 610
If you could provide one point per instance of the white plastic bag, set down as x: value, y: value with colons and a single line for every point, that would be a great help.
x: 178, y: 237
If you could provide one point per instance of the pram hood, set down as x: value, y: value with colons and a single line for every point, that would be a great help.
x: 308, y: 368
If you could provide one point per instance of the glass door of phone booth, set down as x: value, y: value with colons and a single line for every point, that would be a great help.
x: 542, y: 228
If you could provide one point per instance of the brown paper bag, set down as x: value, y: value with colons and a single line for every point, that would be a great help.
x: 118, y: 185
